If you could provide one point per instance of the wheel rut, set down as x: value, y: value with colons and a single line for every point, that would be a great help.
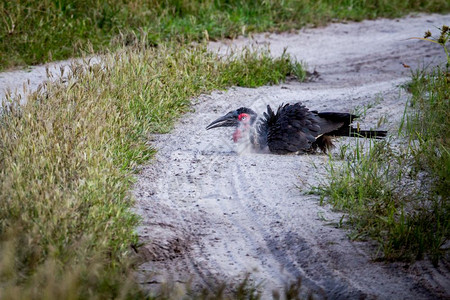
x: 214, y: 212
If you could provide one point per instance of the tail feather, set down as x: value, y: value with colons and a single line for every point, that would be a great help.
x: 347, y: 118
x: 338, y: 117
x: 374, y: 134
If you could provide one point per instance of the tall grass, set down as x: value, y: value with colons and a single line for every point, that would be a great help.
x: 400, y: 196
x: 384, y: 200
x: 36, y: 31
x: 429, y: 126
x: 67, y: 156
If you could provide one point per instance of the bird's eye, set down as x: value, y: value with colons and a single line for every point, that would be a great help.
x: 242, y: 117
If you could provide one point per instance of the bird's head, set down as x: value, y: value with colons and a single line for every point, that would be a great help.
x: 241, y: 118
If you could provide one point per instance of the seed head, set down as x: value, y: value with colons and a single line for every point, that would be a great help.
x: 444, y: 29
x: 427, y: 34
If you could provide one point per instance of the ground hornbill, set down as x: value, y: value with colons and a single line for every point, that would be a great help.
x: 292, y: 129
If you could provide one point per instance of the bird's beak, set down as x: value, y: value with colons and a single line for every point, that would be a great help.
x: 229, y: 120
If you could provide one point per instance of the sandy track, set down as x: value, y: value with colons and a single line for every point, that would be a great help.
x: 212, y: 212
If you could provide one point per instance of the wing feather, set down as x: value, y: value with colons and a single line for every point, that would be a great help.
x: 293, y: 128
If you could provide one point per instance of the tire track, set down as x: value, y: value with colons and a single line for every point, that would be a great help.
x: 212, y: 214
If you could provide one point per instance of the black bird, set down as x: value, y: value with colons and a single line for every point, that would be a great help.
x: 292, y: 129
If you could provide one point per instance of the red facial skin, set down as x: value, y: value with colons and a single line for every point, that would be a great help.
x: 236, y: 135
x: 244, y: 123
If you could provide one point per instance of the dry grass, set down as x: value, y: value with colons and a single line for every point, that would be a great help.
x: 67, y: 157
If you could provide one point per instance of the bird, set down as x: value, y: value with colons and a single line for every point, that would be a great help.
x: 293, y: 128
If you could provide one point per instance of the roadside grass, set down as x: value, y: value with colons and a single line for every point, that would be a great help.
x: 399, y: 194
x: 37, y: 31
x: 429, y: 126
x: 67, y: 157
x: 68, y: 154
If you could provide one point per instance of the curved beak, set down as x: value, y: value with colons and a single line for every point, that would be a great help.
x: 229, y: 120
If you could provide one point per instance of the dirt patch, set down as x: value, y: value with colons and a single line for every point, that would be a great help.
x: 213, y: 213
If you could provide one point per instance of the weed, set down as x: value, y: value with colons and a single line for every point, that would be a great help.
x: 429, y: 124
x: 67, y: 157
x: 382, y: 203
x: 442, y: 40
x: 400, y: 196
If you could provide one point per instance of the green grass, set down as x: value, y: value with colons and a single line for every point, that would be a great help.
x: 383, y: 198
x: 429, y: 126
x: 36, y: 31
x: 400, y: 196
x: 67, y: 156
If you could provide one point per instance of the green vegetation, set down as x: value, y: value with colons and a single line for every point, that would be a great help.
x: 400, y: 195
x: 429, y: 126
x: 67, y: 156
x: 36, y: 31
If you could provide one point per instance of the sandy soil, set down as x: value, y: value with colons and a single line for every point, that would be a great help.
x: 213, y: 213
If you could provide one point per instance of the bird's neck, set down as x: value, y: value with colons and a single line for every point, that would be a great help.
x: 242, y: 132
x: 237, y: 135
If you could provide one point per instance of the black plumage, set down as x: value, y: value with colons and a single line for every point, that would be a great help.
x: 293, y: 128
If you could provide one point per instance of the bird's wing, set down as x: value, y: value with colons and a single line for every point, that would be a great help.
x: 334, y: 123
x: 292, y: 128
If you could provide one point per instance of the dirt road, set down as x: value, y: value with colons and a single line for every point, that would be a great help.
x: 212, y: 212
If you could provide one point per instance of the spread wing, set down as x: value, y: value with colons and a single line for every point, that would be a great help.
x: 292, y: 128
